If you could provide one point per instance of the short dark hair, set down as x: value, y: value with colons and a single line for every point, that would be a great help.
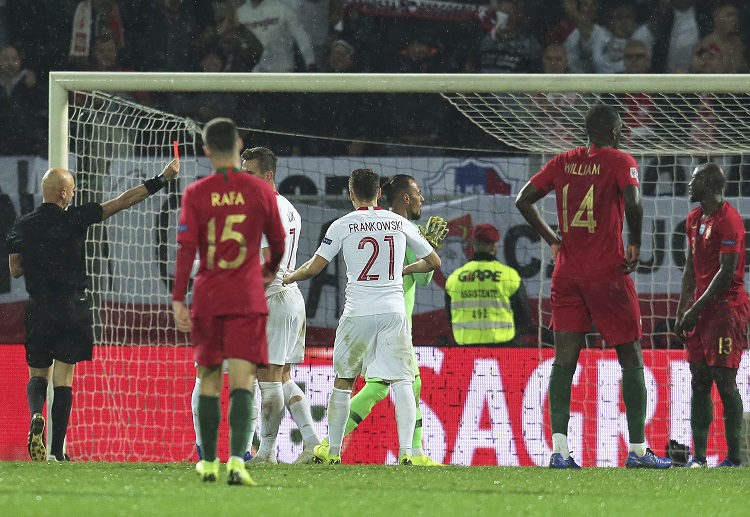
x: 395, y: 186
x: 715, y: 179
x: 266, y: 159
x: 220, y: 135
x: 364, y: 184
x: 601, y: 120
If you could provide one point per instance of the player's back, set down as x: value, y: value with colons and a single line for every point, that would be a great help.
x: 229, y: 213
x: 588, y: 183
x: 292, y: 222
x: 373, y: 244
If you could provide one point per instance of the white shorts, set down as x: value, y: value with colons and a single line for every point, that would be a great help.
x: 286, y: 327
x: 374, y: 346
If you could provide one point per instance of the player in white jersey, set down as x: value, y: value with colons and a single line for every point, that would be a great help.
x: 285, y: 329
x: 373, y: 337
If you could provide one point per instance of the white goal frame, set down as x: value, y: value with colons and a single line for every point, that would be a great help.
x: 61, y: 83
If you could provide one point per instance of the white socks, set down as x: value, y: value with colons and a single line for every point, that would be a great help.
x: 300, y: 411
x: 272, y: 411
x: 338, y: 414
x: 638, y: 448
x: 194, y: 405
x: 406, y: 415
x: 560, y: 444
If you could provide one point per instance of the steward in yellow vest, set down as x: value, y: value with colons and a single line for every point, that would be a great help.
x: 485, y: 299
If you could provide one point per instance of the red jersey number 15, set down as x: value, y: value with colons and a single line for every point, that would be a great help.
x: 227, y: 234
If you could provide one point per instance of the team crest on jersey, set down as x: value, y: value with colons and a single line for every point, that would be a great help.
x: 634, y: 172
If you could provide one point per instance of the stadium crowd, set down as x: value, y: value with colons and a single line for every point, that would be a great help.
x: 429, y: 36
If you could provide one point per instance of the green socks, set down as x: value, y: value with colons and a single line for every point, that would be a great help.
x: 209, y: 416
x: 362, y: 403
x: 634, y: 396
x: 240, y: 403
x: 701, y: 416
x: 560, y: 382
x: 732, y: 403
x: 416, y: 442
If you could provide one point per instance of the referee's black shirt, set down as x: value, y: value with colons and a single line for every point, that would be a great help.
x: 51, y: 242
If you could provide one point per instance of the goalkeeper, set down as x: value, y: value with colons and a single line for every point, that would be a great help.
x: 405, y: 199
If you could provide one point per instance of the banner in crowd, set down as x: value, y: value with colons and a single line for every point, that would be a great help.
x: 480, y: 406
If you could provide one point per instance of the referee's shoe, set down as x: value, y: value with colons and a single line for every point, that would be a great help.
x: 37, y: 449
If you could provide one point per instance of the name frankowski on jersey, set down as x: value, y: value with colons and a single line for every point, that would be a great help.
x: 374, y: 226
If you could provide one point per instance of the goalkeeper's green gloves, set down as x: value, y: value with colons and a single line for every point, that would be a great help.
x: 435, y: 231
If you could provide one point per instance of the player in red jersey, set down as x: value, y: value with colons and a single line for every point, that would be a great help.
x: 223, y: 216
x: 714, y: 311
x: 594, y: 186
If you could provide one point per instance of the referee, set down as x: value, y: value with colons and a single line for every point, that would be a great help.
x: 47, y: 247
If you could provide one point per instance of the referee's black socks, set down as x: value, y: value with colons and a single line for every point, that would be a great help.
x: 36, y: 394
x: 61, y: 406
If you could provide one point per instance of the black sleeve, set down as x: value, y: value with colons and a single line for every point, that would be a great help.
x: 86, y: 214
x: 448, y: 307
x: 521, y: 307
x: 14, y: 240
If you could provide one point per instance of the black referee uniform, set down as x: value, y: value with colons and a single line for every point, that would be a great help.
x: 51, y: 242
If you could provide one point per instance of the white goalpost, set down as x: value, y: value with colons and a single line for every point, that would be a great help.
x: 133, y: 401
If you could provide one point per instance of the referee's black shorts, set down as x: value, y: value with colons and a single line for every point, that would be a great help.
x: 58, y: 327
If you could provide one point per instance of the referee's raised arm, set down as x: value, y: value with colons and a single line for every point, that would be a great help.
x: 137, y: 194
x: 47, y: 247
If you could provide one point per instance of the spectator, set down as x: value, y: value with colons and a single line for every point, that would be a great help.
x: 486, y: 300
x: 104, y: 58
x: 278, y: 28
x: 639, y: 107
x: 341, y: 58
x: 565, y: 23
x: 94, y: 18
x: 241, y: 49
x: 315, y: 17
x: 726, y: 36
x: 579, y: 43
x: 204, y: 106
x: 27, y: 19
x: 165, y: 44
x: 420, y: 55
x: 416, y: 119
x: 345, y: 117
x: 608, y: 51
x: 677, y: 26
x: 555, y: 59
x: 508, y: 48
x: 23, y: 107
x: 556, y: 111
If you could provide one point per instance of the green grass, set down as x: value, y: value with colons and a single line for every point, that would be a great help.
x: 104, y: 489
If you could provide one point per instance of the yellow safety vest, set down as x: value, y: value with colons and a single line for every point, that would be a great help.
x: 480, y: 294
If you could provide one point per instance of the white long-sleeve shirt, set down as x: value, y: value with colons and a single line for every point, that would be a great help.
x: 278, y: 29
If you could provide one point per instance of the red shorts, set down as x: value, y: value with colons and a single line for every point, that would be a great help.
x: 232, y: 337
x: 720, y: 336
x: 609, y: 302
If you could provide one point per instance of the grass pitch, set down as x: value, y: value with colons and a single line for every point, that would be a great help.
x: 124, y: 489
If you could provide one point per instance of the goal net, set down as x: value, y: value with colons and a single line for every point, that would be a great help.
x: 481, y: 405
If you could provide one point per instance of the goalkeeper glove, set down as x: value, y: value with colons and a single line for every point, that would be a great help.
x: 435, y: 231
